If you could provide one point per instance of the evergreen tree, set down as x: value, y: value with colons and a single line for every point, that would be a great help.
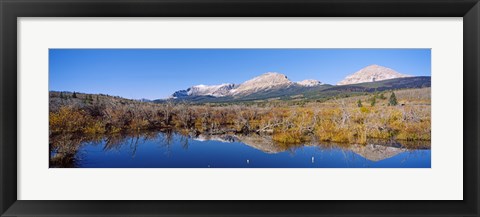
x: 74, y: 94
x: 373, y: 101
x: 89, y: 99
x: 393, y: 100
x: 359, y: 103
x: 382, y: 96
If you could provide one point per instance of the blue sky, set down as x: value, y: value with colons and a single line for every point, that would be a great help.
x: 157, y: 73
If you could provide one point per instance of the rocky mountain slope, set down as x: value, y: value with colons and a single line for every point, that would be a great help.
x: 263, y: 83
x: 371, y: 73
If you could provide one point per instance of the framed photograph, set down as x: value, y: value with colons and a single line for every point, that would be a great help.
x: 181, y: 108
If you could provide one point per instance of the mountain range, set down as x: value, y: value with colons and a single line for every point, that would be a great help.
x: 264, y: 83
x: 277, y: 85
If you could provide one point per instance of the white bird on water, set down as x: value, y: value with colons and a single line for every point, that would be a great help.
x: 248, y: 161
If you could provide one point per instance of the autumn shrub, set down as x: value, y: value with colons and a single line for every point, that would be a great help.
x: 326, y: 130
x: 289, y: 137
x: 415, y: 131
x: 68, y: 120
x: 138, y: 124
x: 94, y: 127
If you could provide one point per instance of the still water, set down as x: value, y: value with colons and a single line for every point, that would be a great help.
x: 172, y: 150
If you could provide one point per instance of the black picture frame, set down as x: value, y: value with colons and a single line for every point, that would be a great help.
x: 10, y: 10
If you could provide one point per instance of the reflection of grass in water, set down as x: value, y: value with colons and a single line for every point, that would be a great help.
x: 64, y: 147
x: 373, y: 150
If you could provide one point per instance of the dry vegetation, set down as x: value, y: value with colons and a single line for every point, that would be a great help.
x: 352, y: 120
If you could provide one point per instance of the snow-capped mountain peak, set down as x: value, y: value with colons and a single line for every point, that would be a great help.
x: 205, y: 90
x: 309, y: 83
x: 371, y: 73
x: 210, y: 90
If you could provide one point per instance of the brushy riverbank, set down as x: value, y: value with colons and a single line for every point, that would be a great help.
x: 347, y: 120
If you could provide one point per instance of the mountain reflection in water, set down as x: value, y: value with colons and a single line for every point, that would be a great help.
x: 174, y: 150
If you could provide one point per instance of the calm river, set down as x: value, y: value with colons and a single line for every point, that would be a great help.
x: 172, y: 150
